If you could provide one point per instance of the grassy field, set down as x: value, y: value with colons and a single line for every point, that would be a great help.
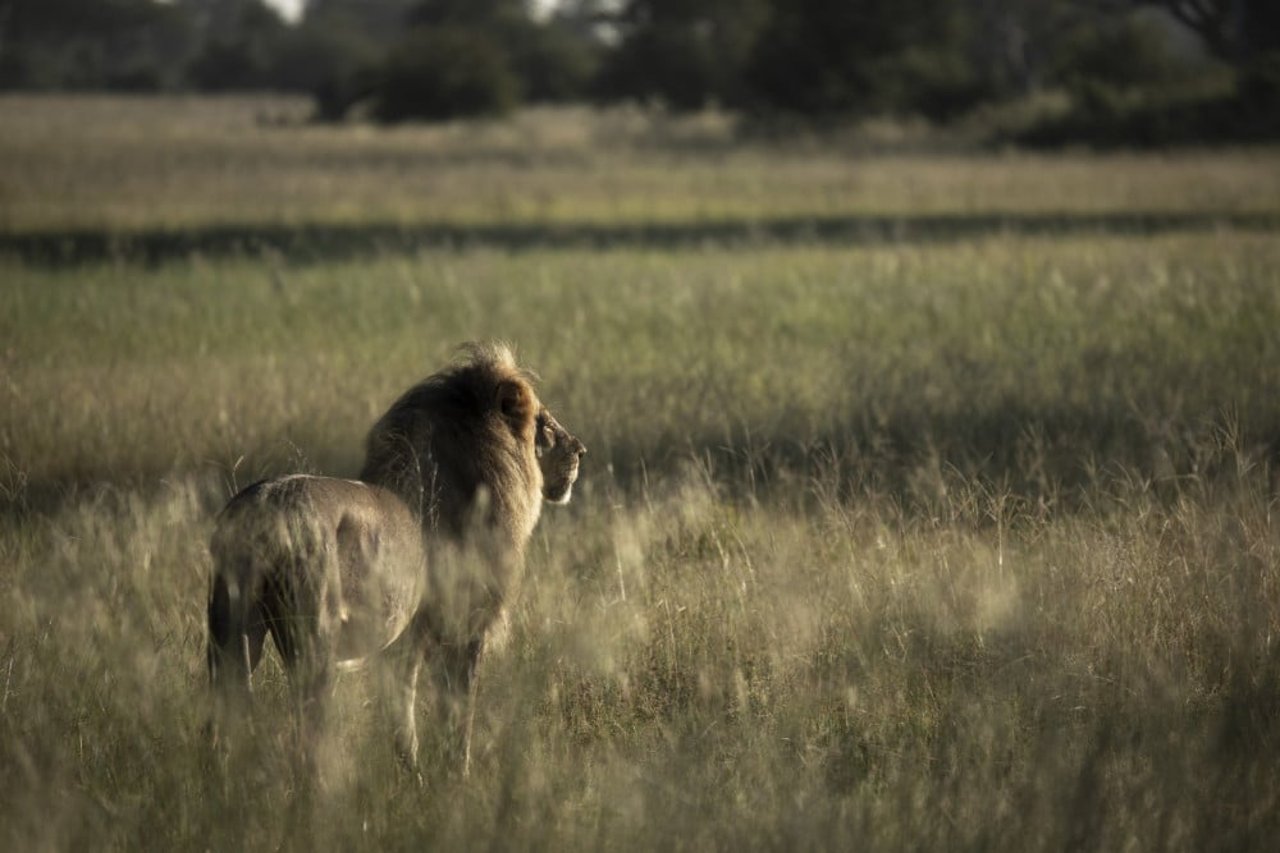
x: 107, y: 164
x: 957, y: 543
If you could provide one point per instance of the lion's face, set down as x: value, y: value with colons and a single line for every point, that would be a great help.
x: 558, y: 456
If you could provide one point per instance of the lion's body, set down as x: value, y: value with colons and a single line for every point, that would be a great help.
x: 417, y: 557
x: 344, y: 556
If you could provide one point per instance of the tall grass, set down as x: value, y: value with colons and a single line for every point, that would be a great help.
x: 1081, y: 352
x: 690, y: 670
x: 965, y: 545
x: 955, y: 546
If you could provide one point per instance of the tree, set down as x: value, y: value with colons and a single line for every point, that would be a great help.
x: 553, y: 60
x: 241, y: 38
x: 381, y: 22
x: 479, y: 57
x: 91, y: 43
x: 337, y: 65
x: 550, y: 60
x: 1236, y: 31
x: 832, y: 57
x: 685, y: 53
x: 442, y: 73
x: 477, y: 14
x: 1245, y: 34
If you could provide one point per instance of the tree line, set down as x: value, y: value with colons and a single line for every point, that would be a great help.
x: 437, y: 59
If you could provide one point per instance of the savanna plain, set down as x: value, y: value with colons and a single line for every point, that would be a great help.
x: 940, y: 516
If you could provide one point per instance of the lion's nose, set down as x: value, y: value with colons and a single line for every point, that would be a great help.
x: 581, y: 450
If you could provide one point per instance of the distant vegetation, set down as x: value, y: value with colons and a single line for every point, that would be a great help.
x: 234, y: 171
x: 1143, y: 72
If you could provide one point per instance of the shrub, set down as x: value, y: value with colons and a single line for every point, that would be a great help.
x: 335, y: 64
x: 443, y: 73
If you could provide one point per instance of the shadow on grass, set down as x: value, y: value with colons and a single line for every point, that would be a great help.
x: 1054, y: 458
x: 921, y: 461
x: 329, y: 242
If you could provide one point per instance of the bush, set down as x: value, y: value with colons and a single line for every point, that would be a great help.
x: 139, y: 77
x: 939, y: 84
x: 685, y: 55
x: 444, y: 73
x: 227, y: 65
x: 1125, y: 54
x: 672, y: 65
x: 554, y: 64
x: 1258, y: 85
x: 336, y: 65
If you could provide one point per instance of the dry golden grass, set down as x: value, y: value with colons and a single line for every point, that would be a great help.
x: 967, y: 545
x: 121, y: 164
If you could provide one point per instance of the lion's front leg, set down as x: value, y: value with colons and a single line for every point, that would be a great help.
x: 459, y: 669
x: 403, y: 665
x: 303, y: 625
x: 403, y: 691
x: 308, y: 649
x: 473, y: 690
x: 314, y: 682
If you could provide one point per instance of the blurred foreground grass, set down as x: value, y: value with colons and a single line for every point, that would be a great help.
x: 688, y: 673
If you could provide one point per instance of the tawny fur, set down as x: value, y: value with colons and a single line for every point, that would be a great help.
x: 416, y: 560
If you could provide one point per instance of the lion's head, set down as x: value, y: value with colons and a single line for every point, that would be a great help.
x: 558, y: 456
x: 475, y: 428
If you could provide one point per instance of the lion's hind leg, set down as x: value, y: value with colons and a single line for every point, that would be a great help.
x: 298, y: 620
x: 458, y: 667
x: 237, y: 631
x: 402, y: 662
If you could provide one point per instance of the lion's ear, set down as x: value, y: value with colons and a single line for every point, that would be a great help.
x: 516, y: 403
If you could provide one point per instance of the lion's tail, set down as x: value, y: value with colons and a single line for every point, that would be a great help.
x: 228, y: 629
x: 265, y: 547
x: 229, y: 655
x: 236, y: 617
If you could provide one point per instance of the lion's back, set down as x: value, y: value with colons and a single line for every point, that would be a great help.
x: 300, y: 519
x: 344, y: 552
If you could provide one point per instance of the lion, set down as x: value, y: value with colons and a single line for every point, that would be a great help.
x: 412, y: 563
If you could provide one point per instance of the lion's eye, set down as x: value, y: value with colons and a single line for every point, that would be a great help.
x: 544, y: 439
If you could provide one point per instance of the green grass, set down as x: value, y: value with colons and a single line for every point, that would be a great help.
x: 951, y: 545
x: 1097, y: 346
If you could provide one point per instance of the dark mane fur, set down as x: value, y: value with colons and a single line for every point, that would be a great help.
x: 467, y: 429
